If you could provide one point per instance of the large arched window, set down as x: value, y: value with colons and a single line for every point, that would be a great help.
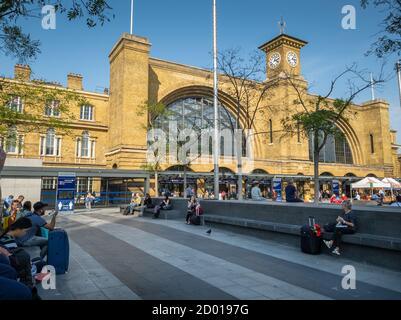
x: 197, y: 114
x: 336, y: 150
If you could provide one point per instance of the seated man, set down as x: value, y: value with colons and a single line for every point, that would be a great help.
x: 136, y: 201
x: 397, y: 202
x: 30, y: 239
x: 291, y: 193
x: 256, y: 194
x: 345, y: 224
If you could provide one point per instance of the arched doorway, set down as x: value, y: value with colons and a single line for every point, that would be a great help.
x: 326, y: 188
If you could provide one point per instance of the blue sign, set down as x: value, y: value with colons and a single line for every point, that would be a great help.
x: 66, y: 187
x: 336, y: 187
x: 278, y: 189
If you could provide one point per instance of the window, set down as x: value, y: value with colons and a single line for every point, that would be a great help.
x: 12, y: 143
x: 299, y: 132
x: 197, y: 114
x: 52, y: 109
x: 86, y: 146
x: 16, y: 104
x: 271, y: 130
x: 49, y: 183
x: 87, y: 113
x: 372, y: 144
x: 336, y: 150
x: 50, y: 144
x: 84, y: 185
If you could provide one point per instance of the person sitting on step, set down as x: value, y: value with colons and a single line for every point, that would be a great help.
x: 164, y: 205
x: 345, y: 224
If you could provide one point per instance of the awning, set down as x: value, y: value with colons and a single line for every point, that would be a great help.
x: 369, y: 183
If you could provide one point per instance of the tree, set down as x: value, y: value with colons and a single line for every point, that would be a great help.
x: 389, y: 41
x: 318, y: 116
x: 24, y: 104
x: 18, y: 44
x: 153, y: 111
x: 244, y: 83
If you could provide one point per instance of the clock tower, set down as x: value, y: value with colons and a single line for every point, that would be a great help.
x: 283, y: 54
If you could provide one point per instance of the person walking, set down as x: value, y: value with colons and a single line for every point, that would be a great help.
x: 88, y: 201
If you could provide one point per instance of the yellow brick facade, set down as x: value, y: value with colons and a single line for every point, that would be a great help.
x: 135, y: 78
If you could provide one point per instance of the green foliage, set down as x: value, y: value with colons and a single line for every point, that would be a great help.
x: 18, y: 44
x: 389, y: 41
x: 35, y: 97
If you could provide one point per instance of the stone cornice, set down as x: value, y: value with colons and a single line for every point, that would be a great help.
x: 174, y: 66
x: 90, y: 94
x: 283, y: 39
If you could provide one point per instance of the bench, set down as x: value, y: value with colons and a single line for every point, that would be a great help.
x: 362, y: 239
x: 368, y: 248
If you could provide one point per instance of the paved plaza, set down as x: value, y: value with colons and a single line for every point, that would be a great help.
x: 117, y: 257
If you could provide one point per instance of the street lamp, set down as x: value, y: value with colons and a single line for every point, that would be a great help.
x: 216, y: 106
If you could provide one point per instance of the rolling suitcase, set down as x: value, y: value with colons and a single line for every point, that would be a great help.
x: 58, y: 252
x: 311, y: 243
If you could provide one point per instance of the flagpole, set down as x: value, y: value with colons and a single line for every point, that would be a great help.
x: 372, y: 86
x: 132, y: 17
x: 216, y: 106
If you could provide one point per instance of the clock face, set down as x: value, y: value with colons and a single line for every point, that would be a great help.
x: 292, y: 59
x: 274, y: 60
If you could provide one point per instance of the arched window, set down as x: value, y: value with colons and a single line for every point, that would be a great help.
x: 336, y: 150
x: 197, y: 114
x: 50, y: 144
x: 259, y: 172
x: 86, y: 146
x: 179, y: 168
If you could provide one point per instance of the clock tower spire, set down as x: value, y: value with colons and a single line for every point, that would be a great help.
x: 283, y: 54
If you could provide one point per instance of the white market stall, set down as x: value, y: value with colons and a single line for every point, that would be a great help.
x: 392, y: 185
x: 369, y: 183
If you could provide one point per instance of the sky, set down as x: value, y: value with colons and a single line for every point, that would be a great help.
x: 181, y: 31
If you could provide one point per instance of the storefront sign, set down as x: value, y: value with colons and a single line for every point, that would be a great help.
x: 66, y: 187
x: 336, y: 187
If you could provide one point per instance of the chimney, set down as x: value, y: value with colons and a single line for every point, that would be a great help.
x: 74, y: 81
x: 22, y: 72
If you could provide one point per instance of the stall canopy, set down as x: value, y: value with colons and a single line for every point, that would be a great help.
x: 369, y: 183
x: 392, y: 183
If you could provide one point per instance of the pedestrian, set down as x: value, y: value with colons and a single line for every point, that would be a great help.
x: 88, y: 201
x: 291, y: 193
